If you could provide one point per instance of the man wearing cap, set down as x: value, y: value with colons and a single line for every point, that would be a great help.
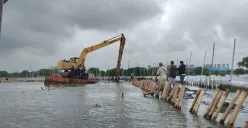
x: 162, y: 78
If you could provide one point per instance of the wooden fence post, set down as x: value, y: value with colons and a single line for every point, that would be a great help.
x: 224, y: 116
x: 220, y: 104
x: 211, y: 103
x: 236, y: 111
x: 198, y: 102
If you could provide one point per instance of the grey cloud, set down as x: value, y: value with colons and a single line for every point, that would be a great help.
x: 201, y: 17
x: 45, y: 24
x: 188, y: 27
x: 110, y: 14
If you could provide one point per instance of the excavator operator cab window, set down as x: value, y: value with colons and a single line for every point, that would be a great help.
x: 73, y: 60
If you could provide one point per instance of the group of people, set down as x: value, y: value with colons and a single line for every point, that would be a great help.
x: 79, y: 72
x: 169, y: 74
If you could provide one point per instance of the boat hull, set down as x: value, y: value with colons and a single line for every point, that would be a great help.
x: 50, y: 80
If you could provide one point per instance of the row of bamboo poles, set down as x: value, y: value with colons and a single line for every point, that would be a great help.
x: 176, y: 96
x: 217, y: 103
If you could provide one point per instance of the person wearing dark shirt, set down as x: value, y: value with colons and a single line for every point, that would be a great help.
x: 72, y: 72
x: 172, y: 73
x: 181, y: 71
x: 83, y: 72
x: 77, y: 72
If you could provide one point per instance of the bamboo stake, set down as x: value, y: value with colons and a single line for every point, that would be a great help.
x: 171, y: 94
x: 224, y: 116
x: 194, y: 102
x: 165, y: 91
x: 245, y: 124
x: 217, y: 100
x: 236, y: 111
x: 178, y: 99
x: 220, y: 105
x: 173, y: 100
x: 211, y: 103
x: 199, y: 102
x: 181, y: 98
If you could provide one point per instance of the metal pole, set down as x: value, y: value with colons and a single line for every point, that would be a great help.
x: 203, y: 66
x: 128, y: 68
x: 234, y: 45
x: 108, y: 71
x: 177, y: 62
x: 30, y: 71
x: 134, y: 70
x: 188, y: 66
x: 144, y: 69
x: 152, y: 69
x: 211, y: 63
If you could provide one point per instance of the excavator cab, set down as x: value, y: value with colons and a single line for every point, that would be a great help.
x: 74, y: 60
x: 67, y: 64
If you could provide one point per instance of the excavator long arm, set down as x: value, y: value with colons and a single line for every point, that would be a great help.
x: 122, y: 45
x: 120, y: 38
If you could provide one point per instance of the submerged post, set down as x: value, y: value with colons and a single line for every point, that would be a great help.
x: 234, y: 45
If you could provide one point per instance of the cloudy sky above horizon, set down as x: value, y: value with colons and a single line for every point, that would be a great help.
x: 42, y: 32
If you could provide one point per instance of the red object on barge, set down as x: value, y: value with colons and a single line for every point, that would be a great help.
x: 57, y: 79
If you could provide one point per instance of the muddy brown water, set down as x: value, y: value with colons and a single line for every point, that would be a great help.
x: 25, y: 105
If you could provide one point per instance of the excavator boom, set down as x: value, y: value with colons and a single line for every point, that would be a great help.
x: 66, y: 65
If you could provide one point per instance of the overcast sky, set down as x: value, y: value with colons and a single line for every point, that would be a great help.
x: 42, y: 32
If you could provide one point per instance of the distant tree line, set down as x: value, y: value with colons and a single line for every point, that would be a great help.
x: 142, y: 71
x: 26, y: 73
x: 138, y: 71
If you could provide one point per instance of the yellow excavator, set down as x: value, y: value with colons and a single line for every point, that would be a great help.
x: 76, y: 61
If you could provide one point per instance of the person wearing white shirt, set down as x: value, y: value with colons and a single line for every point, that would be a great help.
x: 162, y: 73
